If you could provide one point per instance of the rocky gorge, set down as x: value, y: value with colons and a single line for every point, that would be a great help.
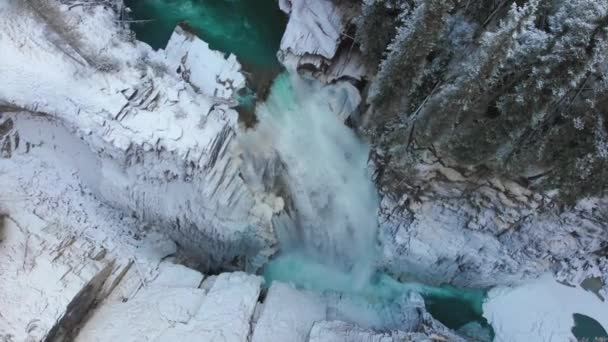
x: 390, y: 157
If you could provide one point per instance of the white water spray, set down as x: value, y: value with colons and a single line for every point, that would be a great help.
x: 334, y: 200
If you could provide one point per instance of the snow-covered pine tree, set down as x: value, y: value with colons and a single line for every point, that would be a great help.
x: 408, y: 53
x: 514, y: 86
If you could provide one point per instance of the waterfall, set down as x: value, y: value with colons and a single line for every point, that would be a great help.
x: 330, y: 243
x: 308, y: 169
x: 334, y: 202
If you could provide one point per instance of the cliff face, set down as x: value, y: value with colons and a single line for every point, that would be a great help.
x: 488, y: 124
x: 487, y: 121
x: 159, y: 125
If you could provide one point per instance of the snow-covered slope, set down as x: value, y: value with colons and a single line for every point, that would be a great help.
x: 47, y: 283
x: 158, y: 124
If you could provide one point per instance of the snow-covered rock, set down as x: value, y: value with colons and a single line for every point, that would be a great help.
x: 207, y: 70
x: 168, y: 308
x: 47, y: 284
x: 314, y: 27
x: 442, y: 224
x: 315, y: 43
x: 337, y: 331
x: 162, y: 142
x: 153, y: 311
x: 288, y: 314
x: 225, y: 313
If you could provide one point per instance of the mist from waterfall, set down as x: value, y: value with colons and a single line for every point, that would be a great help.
x: 329, y: 243
x: 334, y: 202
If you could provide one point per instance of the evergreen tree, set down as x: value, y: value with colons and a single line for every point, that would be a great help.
x: 516, y: 86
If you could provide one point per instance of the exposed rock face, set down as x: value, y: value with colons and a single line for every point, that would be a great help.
x: 159, y: 124
x: 481, y: 230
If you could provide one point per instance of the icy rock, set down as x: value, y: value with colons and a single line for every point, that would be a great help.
x: 164, y: 151
x: 225, y: 314
x: 288, y: 314
x: 342, y: 98
x: 207, y: 70
x: 312, y: 38
x: 47, y: 285
x: 337, y: 331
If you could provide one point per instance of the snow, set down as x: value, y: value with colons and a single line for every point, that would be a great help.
x: 288, y: 314
x: 45, y: 280
x: 338, y: 331
x: 207, y: 69
x: 314, y: 27
x: 225, y: 313
x: 312, y: 38
x: 152, y: 312
x: 158, y: 145
x: 175, y: 275
x: 540, y: 311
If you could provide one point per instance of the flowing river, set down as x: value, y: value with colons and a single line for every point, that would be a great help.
x: 332, y: 243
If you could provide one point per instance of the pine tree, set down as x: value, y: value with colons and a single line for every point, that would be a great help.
x: 516, y: 86
x: 414, y: 41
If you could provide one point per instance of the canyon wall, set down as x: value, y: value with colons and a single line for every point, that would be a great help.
x: 487, y: 122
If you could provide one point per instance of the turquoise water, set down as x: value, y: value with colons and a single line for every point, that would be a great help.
x: 334, y: 198
x: 588, y: 329
x: 452, y: 306
x: 251, y: 29
x: 332, y: 246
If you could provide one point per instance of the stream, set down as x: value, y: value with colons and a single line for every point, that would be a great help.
x: 332, y: 243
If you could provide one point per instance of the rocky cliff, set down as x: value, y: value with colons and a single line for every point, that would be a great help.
x: 487, y: 125
x: 159, y: 125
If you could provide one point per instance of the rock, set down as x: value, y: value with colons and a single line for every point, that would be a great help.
x: 312, y: 40
x: 164, y: 148
x: 288, y: 314
x: 152, y: 312
x: 496, y: 234
x: 337, y: 331
x: 47, y: 284
x: 138, y: 309
x: 205, y: 69
x: 225, y: 313
x: 314, y: 28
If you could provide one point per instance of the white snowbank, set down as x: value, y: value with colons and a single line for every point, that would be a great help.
x: 288, y: 315
x: 540, y: 311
